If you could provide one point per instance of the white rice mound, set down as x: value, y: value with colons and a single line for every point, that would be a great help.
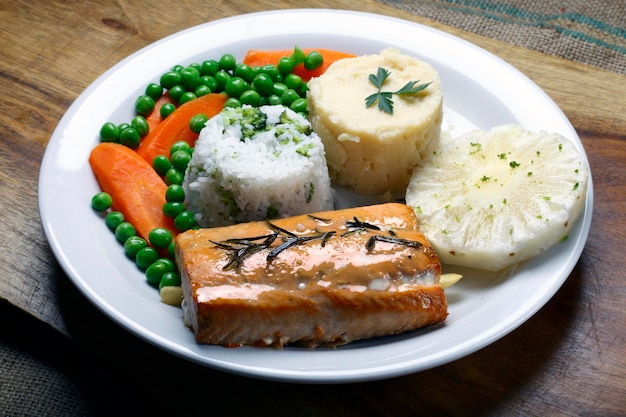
x: 278, y: 171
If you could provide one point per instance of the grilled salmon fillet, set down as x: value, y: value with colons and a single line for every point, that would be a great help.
x: 327, y: 278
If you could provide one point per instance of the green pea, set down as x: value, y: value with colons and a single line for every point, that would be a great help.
x: 169, y: 279
x: 155, y: 91
x: 299, y: 105
x: 263, y: 84
x: 286, y: 65
x: 161, y: 164
x: 250, y: 97
x: 140, y: 124
x: 202, y: 90
x: 289, y: 96
x: 232, y: 102
x: 221, y: 78
x: 293, y: 81
x: 279, y: 89
x: 209, y: 81
x: 160, y: 237
x: 185, y: 221
x: 170, y: 79
x: 173, y: 208
x: 174, y: 192
x: 304, y: 89
x: 313, y: 60
x: 176, y: 92
x: 123, y: 126
x: 171, y: 250
x: 109, y: 132
x: 173, y: 176
x: 187, y: 96
x: 171, y: 266
x: 274, y: 100
x: 178, y: 68
x: 123, y: 231
x: 235, y: 86
x: 166, y: 109
x: 196, y: 66
x: 209, y: 67
x: 130, y: 137
x: 155, y: 272
x: 190, y: 78
x: 113, y: 219
x: 144, y: 105
x: 146, y: 257
x: 272, y: 71
x: 180, y: 145
x: 180, y: 160
x: 244, y: 72
x: 101, y: 201
x: 197, y: 122
x: 133, y: 245
x: 227, y: 62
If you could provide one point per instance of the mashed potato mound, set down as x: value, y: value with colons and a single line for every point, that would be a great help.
x: 368, y: 150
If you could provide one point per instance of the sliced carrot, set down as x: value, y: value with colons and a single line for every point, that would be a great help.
x: 135, y: 187
x: 175, y: 127
x: 260, y: 57
x: 154, y: 118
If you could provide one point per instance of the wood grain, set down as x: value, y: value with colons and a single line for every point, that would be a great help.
x: 568, y: 359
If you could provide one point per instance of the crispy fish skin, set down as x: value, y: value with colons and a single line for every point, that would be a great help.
x: 348, y: 282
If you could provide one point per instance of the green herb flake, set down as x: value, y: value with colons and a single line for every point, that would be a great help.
x: 385, y: 98
x: 305, y: 149
x: 477, y: 147
x: 272, y: 212
x: 309, y: 195
x: 502, y: 155
x: 514, y: 164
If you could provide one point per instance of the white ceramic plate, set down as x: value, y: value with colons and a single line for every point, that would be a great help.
x: 480, y: 91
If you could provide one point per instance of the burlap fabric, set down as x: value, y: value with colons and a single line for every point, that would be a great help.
x: 591, y: 32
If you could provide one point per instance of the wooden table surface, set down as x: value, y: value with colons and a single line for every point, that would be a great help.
x: 568, y: 359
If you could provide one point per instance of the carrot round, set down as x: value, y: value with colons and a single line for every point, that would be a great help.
x: 137, y: 190
x: 175, y: 127
x: 260, y: 57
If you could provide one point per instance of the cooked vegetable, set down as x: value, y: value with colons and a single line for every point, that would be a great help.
x: 176, y: 126
x: 160, y: 237
x: 101, y: 201
x: 144, y: 105
x: 113, y: 219
x: 261, y: 57
x: 133, y: 245
x: 146, y: 257
x: 124, y: 231
x: 136, y: 189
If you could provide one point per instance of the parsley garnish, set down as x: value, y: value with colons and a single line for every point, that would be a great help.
x: 384, y: 98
